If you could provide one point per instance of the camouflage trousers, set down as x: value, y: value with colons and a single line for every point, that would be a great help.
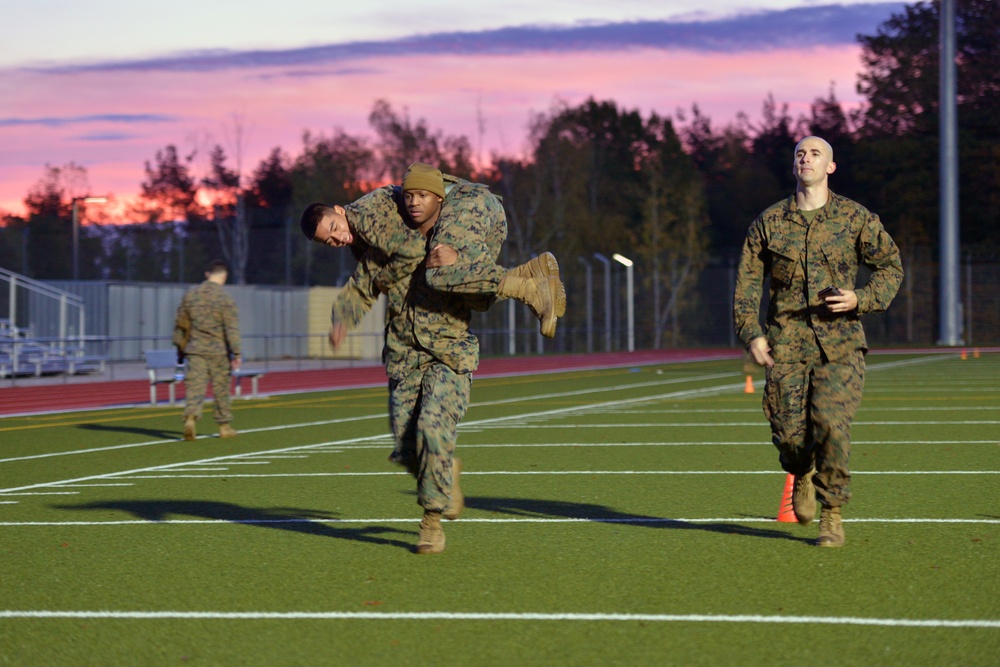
x: 425, y: 408
x: 200, y: 370
x: 811, y: 405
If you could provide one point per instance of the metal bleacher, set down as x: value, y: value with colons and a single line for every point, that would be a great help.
x: 22, y: 355
x: 60, y: 351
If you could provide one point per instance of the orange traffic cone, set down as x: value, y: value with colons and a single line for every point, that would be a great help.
x: 785, y: 512
x: 975, y: 352
x: 748, y: 389
x: 964, y: 355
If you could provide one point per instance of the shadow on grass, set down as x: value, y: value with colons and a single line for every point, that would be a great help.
x: 151, y: 432
x: 604, y: 514
x: 308, y: 522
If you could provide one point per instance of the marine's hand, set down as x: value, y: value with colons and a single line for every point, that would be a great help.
x: 441, y: 255
x: 761, y: 352
x: 236, y: 362
x: 337, y: 334
x: 845, y: 302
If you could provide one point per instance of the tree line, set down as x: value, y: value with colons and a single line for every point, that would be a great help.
x: 673, y: 193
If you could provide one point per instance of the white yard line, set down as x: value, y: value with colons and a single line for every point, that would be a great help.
x: 623, y: 519
x: 756, y: 410
x: 499, y: 616
x: 41, y: 493
x: 380, y: 437
x: 750, y: 424
x: 382, y: 415
x: 183, y: 474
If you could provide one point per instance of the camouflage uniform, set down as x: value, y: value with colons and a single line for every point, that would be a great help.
x: 814, y: 389
x: 215, y: 335
x: 429, y: 352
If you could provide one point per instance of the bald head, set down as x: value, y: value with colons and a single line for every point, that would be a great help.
x: 813, y: 163
x: 813, y: 140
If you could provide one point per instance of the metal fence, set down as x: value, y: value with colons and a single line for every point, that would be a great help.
x: 597, y: 313
x: 122, y: 319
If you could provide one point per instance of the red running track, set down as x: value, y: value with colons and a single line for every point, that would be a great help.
x: 27, y: 399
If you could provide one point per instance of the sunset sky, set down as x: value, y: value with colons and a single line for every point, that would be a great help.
x: 106, y: 83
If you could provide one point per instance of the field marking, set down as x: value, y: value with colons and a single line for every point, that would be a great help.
x: 695, y: 443
x: 477, y: 423
x: 381, y: 441
x: 468, y: 425
x: 501, y: 616
x: 88, y: 486
x: 281, y: 456
x: 627, y: 519
x: 182, y: 474
x: 252, y: 463
x: 966, y: 422
x: 42, y: 493
x: 757, y: 410
x: 147, y: 443
x: 382, y: 415
x: 964, y: 388
x: 379, y: 437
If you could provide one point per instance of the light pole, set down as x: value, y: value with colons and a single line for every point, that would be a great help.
x: 607, y: 299
x: 630, y: 293
x: 76, y: 230
x: 590, y: 303
x: 950, y: 308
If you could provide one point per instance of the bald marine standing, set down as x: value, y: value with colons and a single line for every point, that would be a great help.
x: 812, y: 245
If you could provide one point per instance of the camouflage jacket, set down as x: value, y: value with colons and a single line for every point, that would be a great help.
x: 215, y: 324
x: 804, y: 257
x: 419, y: 320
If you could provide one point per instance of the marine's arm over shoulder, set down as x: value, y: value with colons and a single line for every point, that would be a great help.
x: 360, y: 293
x: 377, y: 218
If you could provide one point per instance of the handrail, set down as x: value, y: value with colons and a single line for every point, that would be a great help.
x: 39, y: 286
x: 66, y: 300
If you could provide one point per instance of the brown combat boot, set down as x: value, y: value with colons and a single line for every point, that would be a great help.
x: 190, y: 427
x: 831, y: 530
x: 804, y: 498
x: 457, y: 497
x: 431, y: 534
x: 537, y: 284
x: 226, y: 431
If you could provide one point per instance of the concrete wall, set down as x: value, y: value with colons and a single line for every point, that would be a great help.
x: 275, y: 322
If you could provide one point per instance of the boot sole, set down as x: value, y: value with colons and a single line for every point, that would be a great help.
x: 550, y: 268
x: 425, y: 549
x: 428, y: 550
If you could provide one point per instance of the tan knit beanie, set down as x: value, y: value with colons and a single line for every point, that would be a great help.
x: 422, y: 176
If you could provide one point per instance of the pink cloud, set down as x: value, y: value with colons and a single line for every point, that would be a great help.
x: 195, y: 109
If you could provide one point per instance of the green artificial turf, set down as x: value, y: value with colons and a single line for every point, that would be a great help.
x: 614, y: 517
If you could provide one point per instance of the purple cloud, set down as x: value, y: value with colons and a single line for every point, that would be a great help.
x: 62, y: 121
x: 822, y: 25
